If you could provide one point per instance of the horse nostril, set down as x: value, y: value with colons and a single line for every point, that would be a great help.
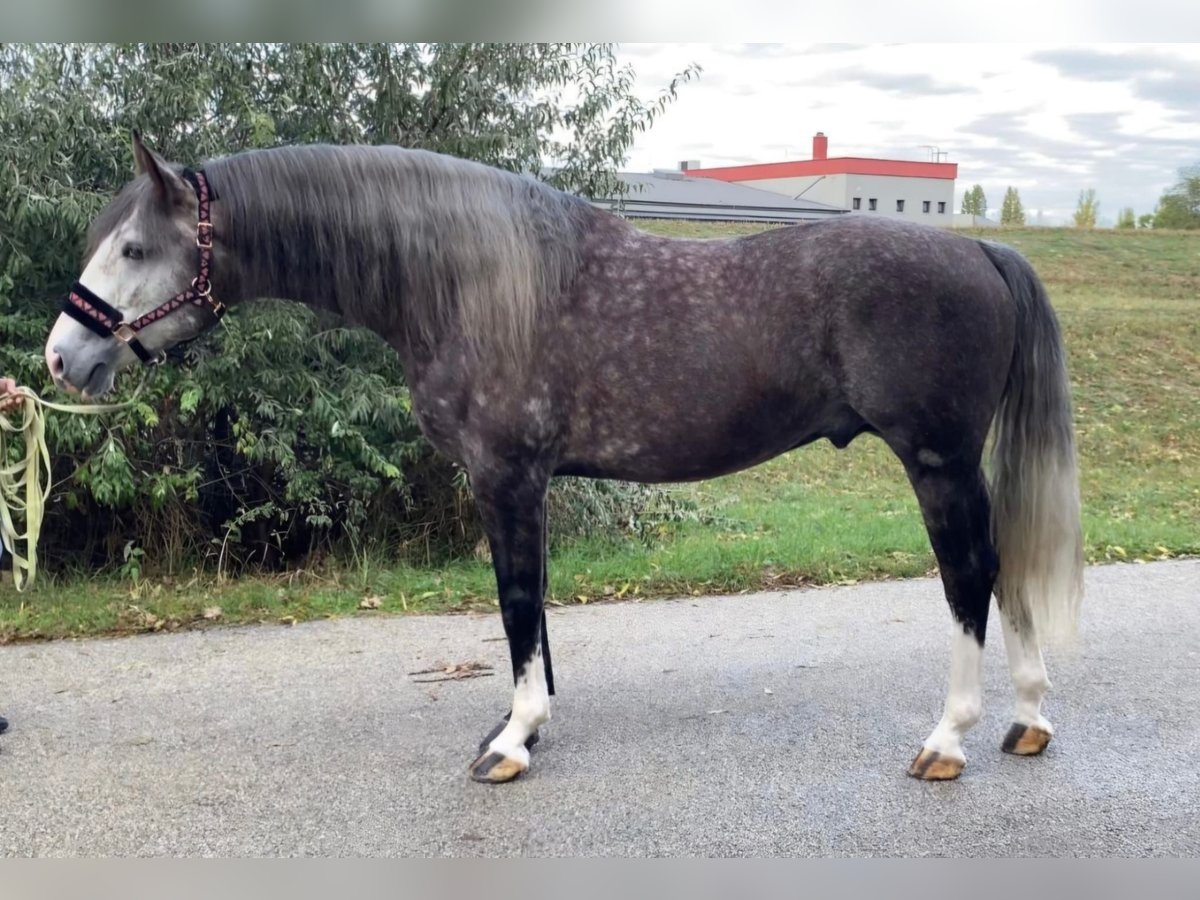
x: 54, y: 362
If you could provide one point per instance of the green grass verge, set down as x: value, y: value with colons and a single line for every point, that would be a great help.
x: 1129, y: 309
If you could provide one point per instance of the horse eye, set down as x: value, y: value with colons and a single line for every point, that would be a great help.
x: 132, y: 251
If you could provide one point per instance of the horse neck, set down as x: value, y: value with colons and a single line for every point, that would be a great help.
x: 293, y: 257
x: 422, y: 250
x: 241, y: 271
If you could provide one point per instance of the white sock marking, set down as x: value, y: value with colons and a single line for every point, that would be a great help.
x: 530, y: 709
x: 1028, y: 673
x: 964, y: 700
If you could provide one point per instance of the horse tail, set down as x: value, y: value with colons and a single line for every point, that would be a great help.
x: 1035, y: 480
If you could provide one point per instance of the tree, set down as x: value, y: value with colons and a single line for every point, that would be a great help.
x: 1179, y: 207
x: 974, y: 202
x: 1145, y: 220
x: 1012, y: 212
x: 1086, y: 210
x: 319, y: 449
x: 1126, y: 218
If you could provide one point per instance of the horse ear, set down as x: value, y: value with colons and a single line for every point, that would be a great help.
x: 167, y: 184
x: 139, y: 153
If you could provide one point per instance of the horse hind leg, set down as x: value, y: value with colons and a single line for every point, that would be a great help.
x: 954, y: 503
x: 1031, y: 731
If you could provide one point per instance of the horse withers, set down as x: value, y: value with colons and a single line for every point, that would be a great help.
x: 541, y: 336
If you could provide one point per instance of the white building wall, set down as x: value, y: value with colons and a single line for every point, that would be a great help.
x: 885, y: 190
x: 829, y: 189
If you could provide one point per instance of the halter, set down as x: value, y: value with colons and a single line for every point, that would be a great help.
x: 106, y: 320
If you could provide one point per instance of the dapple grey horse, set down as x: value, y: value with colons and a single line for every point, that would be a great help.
x: 541, y: 336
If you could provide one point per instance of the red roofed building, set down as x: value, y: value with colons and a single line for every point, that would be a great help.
x: 898, y: 188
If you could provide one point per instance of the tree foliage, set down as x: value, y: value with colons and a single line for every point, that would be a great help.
x: 974, y: 202
x: 1127, y: 218
x: 1012, y: 212
x: 1179, y: 207
x: 1087, y: 209
x: 318, y: 449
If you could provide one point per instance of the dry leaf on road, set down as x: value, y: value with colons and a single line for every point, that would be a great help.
x: 458, y: 672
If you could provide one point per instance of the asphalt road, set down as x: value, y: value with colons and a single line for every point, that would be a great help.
x: 768, y: 724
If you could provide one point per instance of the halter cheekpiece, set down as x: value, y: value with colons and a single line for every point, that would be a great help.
x: 105, y: 320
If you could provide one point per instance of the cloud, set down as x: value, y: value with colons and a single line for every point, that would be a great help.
x: 1010, y: 129
x: 786, y: 51
x: 833, y: 48
x: 1161, y: 77
x: 1097, y: 65
x: 1100, y: 127
x: 906, y: 83
x: 641, y: 50
x: 1179, y: 91
x: 756, y: 51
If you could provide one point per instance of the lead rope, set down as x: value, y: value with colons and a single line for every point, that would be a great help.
x: 29, y: 476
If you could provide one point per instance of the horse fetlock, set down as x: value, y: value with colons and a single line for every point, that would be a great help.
x: 1029, y: 676
x: 537, y: 715
x: 963, y: 714
x: 946, y: 742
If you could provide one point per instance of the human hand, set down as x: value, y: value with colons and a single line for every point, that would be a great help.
x: 9, y: 398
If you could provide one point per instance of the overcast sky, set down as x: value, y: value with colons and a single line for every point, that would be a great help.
x: 1048, y: 119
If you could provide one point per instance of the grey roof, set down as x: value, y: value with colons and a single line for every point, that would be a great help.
x: 673, y: 195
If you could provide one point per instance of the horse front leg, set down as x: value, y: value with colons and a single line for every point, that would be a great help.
x: 512, y: 507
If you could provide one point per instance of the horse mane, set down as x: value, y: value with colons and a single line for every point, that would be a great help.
x: 413, y: 243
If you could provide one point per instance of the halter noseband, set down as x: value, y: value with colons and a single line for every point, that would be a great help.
x: 105, y: 320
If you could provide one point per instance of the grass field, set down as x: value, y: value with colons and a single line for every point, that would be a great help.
x: 1129, y: 303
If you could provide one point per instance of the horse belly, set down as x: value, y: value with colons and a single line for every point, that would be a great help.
x: 689, y: 439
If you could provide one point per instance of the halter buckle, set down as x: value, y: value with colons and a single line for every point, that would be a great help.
x: 206, y: 243
x: 123, y: 332
x: 207, y: 292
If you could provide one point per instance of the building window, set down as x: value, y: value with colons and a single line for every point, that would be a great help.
x: 858, y: 202
x: 871, y: 204
x: 925, y: 206
x: 899, y: 206
x: 941, y: 206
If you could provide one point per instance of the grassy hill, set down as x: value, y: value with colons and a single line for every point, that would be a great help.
x: 1129, y: 303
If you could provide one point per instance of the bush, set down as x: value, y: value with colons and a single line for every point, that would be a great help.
x: 317, y: 453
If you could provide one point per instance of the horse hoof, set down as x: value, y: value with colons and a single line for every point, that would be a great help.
x: 495, y: 733
x: 933, y: 766
x: 1025, y: 740
x: 496, y: 768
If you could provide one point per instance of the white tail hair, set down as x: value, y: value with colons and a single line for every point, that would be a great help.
x: 1035, y: 480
